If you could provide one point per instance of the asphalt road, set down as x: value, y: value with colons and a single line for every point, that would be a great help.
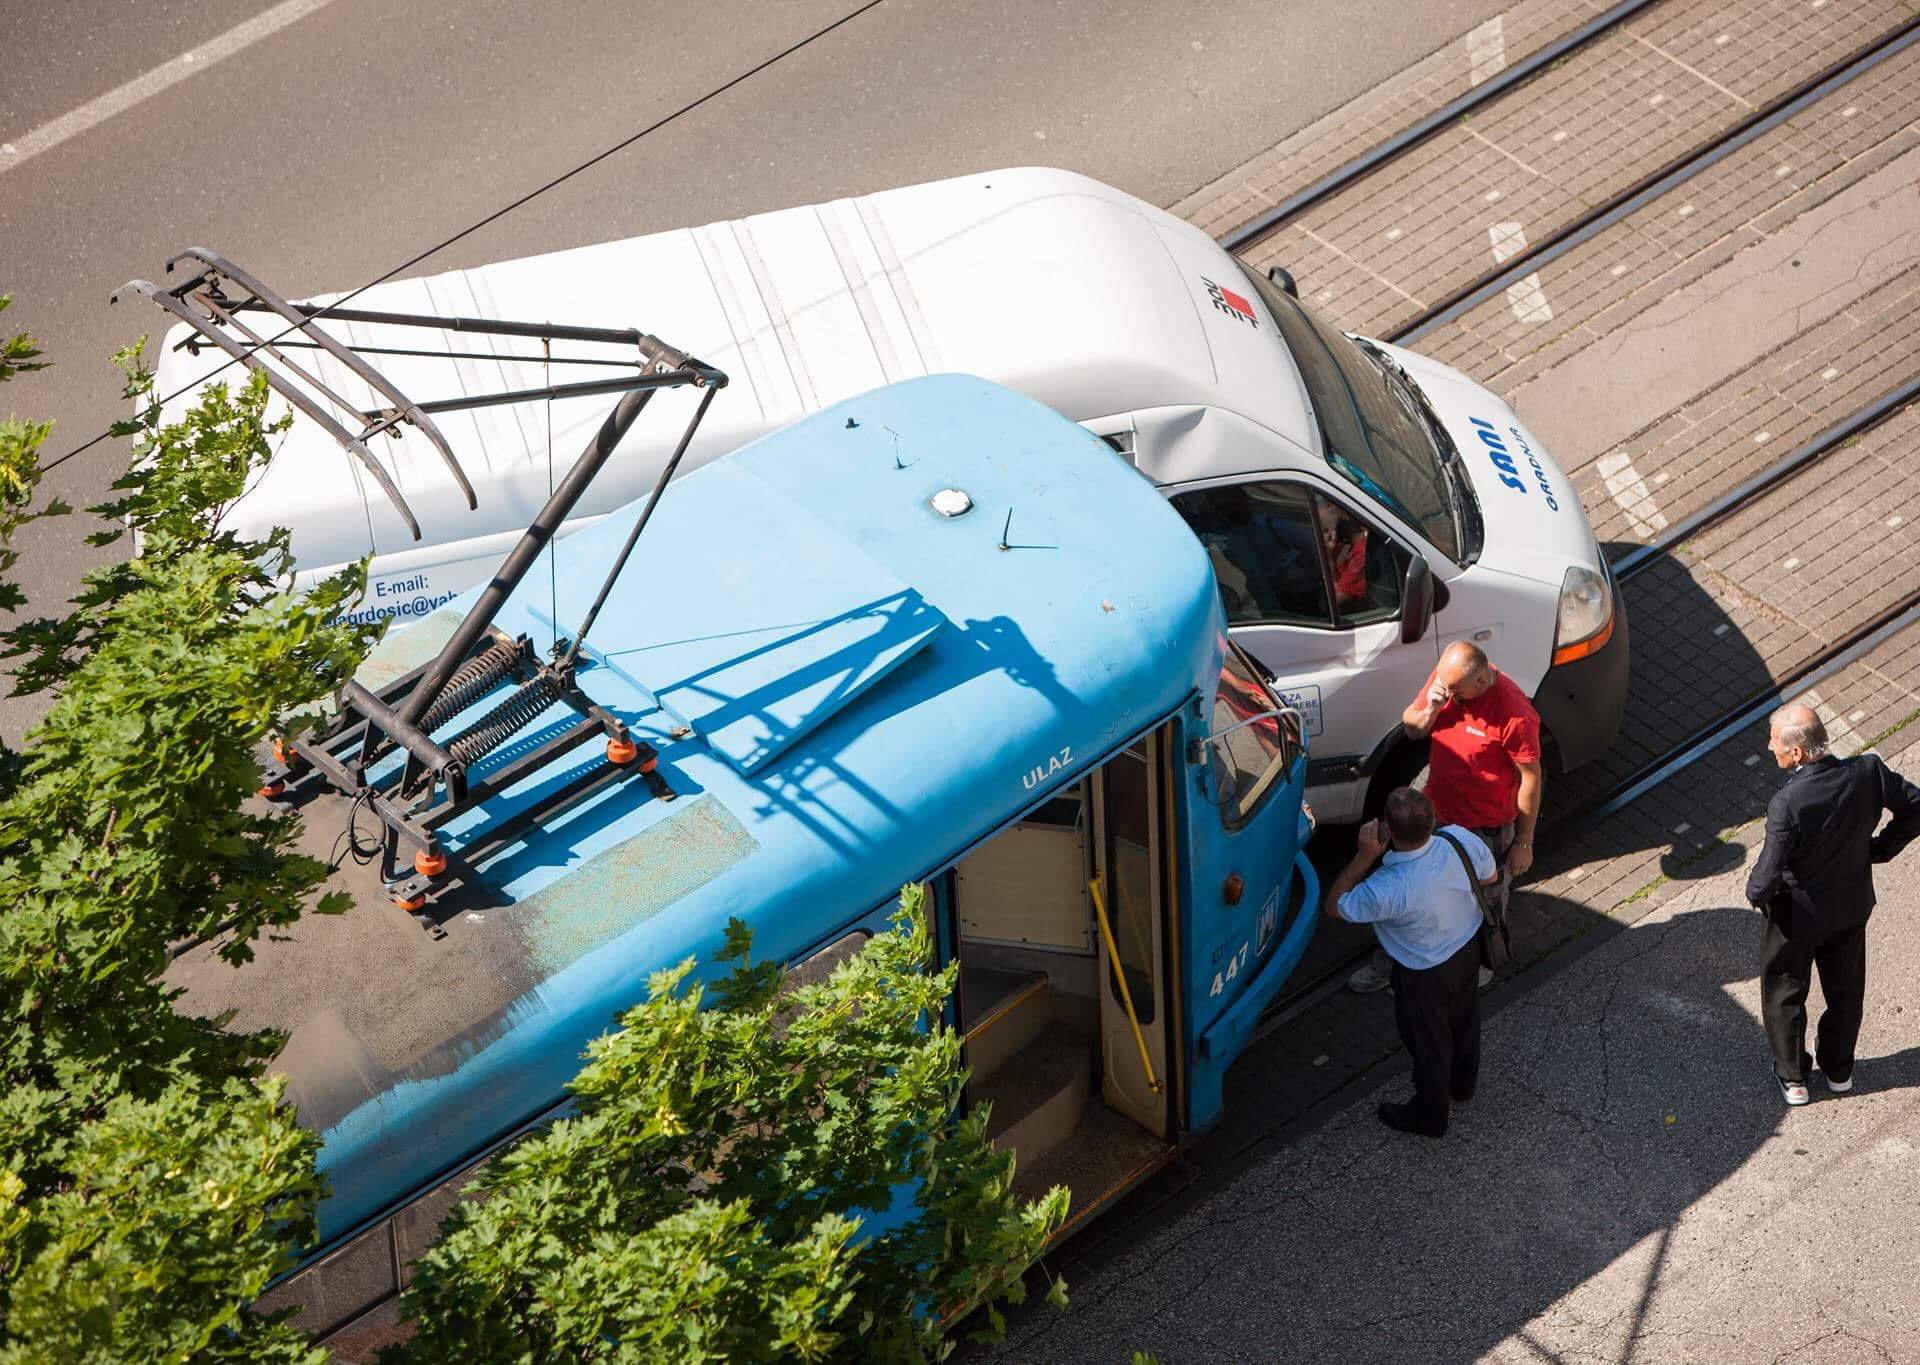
x: 363, y: 131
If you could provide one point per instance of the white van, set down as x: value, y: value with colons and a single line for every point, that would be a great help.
x: 1363, y: 506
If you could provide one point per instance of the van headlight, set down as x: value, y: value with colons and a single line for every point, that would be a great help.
x: 1586, y: 615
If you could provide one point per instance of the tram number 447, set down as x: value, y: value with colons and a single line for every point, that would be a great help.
x: 1234, y: 964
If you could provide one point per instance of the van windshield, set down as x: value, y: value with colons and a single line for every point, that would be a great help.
x: 1372, y: 426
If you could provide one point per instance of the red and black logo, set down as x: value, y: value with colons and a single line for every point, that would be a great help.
x: 1233, y: 305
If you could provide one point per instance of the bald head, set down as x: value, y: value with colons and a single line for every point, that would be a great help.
x: 1464, y: 669
x: 1796, y: 735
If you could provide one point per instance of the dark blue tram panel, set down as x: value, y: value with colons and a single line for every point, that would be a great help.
x: 858, y: 673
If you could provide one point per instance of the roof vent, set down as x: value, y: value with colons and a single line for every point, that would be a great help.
x: 951, y: 502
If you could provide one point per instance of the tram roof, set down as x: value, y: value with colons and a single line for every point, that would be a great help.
x: 847, y: 690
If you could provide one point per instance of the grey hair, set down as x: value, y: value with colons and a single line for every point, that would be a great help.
x: 1801, y: 728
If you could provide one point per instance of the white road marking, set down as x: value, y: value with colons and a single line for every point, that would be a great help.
x: 145, y: 86
x: 1487, y: 50
x: 1630, y: 493
x: 1524, y: 297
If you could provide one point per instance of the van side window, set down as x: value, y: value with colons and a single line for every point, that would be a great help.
x: 1366, y: 567
x: 1264, y: 544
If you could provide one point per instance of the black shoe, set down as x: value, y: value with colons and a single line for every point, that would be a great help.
x: 1462, y: 1099
x: 1401, y: 1118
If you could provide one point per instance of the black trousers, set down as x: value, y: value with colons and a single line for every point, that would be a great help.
x: 1438, y: 1010
x: 1786, y: 969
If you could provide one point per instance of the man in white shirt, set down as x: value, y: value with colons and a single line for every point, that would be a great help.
x: 1427, y: 917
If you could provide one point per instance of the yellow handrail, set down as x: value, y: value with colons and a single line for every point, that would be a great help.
x: 1120, y: 980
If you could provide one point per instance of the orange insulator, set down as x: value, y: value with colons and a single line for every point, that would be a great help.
x: 429, y: 864
x: 284, y: 752
x: 271, y: 790
x: 410, y: 903
x: 622, y: 751
x: 652, y: 764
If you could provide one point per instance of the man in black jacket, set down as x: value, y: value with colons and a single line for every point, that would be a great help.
x: 1814, y: 884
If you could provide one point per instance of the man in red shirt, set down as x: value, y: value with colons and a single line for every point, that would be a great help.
x: 1484, y: 772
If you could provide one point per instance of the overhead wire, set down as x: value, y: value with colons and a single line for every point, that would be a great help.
x: 500, y: 213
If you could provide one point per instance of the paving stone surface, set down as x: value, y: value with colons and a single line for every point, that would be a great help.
x: 1375, y: 255
x: 1331, y: 142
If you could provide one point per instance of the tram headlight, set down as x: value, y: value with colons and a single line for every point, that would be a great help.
x: 1586, y: 615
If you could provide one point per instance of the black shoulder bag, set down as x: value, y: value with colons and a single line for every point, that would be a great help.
x: 1495, y: 942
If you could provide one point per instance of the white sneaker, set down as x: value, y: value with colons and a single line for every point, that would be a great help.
x: 1794, y: 1092
x: 1369, y: 979
x: 1837, y: 1087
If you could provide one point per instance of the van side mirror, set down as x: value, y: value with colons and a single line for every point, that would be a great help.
x: 1283, y: 280
x: 1421, y: 595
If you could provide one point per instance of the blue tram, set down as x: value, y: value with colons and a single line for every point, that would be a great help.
x: 936, y: 633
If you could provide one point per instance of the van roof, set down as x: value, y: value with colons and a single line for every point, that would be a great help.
x: 852, y: 728
x: 1063, y: 288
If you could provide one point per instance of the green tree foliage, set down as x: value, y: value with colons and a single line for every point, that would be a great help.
x: 708, y: 1200
x: 150, y: 1181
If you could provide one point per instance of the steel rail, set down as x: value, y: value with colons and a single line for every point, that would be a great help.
x: 1408, y: 138
x: 1650, y: 187
x: 1780, y: 471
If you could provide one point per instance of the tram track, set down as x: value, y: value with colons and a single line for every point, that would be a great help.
x: 1561, y: 240
x: 1393, y: 148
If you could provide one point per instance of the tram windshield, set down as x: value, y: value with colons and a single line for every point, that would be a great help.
x: 1253, y: 748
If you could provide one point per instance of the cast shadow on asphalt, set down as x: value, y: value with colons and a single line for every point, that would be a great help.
x: 1618, y: 1089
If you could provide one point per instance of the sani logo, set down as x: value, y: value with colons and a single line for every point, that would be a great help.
x: 1233, y: 305
x: 1506, y: 466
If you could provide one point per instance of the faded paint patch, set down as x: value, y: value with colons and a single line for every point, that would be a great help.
x: 628, y: 884
x: 402, y: 651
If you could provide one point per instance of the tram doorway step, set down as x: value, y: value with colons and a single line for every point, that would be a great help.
x: 1031, y: 1056
x: 1106, y: 1155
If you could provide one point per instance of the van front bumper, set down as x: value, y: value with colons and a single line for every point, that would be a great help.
x: 1580, y: 703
